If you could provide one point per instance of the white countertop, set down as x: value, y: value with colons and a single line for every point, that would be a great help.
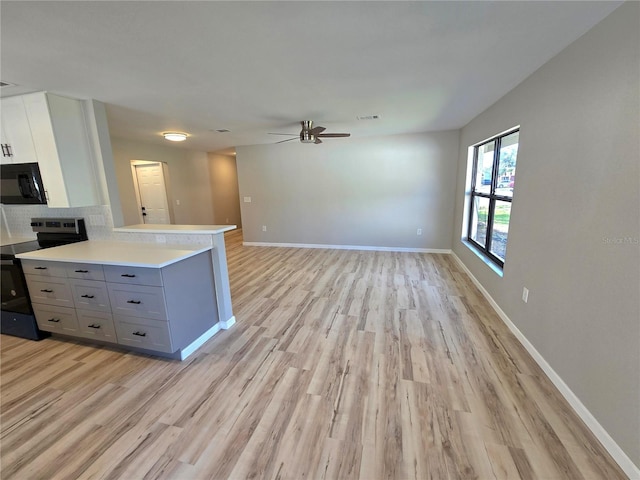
x: 186, y: 229
x: 133, y: 254
x: 13, y: 240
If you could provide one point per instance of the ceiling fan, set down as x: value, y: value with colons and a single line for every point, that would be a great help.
x: 311, y: 134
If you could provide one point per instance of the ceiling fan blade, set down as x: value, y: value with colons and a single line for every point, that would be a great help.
x: 287, y: 140
x: 317, y: 141
x: 333, y: 135
x: 317, y: 130
x: 289, y: 134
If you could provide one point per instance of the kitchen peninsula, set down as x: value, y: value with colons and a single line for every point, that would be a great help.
x: 215, y: 237
x: 143, y: 293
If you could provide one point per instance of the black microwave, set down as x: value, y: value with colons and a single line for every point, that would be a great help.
x: 21, y: 184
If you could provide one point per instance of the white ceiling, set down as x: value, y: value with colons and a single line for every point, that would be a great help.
x: 259, y: 67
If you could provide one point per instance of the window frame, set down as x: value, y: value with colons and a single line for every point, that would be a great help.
x: 491, y: 196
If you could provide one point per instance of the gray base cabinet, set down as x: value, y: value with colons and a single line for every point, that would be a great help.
x: 96, y: 325
x: 56, y: 319
x: 159, y: 310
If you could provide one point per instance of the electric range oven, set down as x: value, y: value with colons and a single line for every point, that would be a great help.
x: 17, y: 317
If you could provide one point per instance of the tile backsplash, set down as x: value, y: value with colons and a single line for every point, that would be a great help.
x: 176, y: 239
x: 17, y: 219
x: 98, y: 220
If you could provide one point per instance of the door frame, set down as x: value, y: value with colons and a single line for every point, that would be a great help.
x: 167, y: 186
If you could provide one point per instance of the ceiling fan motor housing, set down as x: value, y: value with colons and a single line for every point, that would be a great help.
x: 307, y: 137
x: 305, y: 134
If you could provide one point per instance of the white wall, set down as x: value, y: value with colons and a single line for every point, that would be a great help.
x: 575, y: 228
x: 188, y: 176
x: 372, y: 192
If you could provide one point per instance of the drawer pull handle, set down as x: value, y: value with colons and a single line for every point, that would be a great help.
x: 128, y: 275
x: 82, y: 271
x: 139, y: 334
x: 54, y: 320
x: 39, y: 268
x: 86, y: 296
x: 46, y: 290
x: 93, y: 326
x: 135, y: 302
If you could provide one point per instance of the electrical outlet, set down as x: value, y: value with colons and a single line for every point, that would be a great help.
x: 264, y: 228
x: 247, y: 199
x: 419, y: 231
x: 525, y: 294
x: 177, y: 202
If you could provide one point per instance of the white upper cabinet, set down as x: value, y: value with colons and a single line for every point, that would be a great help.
x: 17, y: 142
x: 63, y: 149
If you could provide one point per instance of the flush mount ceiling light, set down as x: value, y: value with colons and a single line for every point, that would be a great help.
x: 175, y: 136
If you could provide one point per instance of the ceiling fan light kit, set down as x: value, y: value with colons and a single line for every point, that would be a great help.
x: 311, y: 134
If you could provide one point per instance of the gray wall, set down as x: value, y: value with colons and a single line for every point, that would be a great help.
x: 224, y: 185
x: 574, y: 233
x: 374, y: 191
x: 188, y: 176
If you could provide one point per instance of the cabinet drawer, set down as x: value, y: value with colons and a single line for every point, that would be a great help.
x: 96, y: 325
x: 49, y: 291
x: 56, y: 319
x: 133, y: 275
x: 137, y: 301
x: 85, y: 271
x: 90, y: 294
x: 141, y: 333
x: 44, y: 269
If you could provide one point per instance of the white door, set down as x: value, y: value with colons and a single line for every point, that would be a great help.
x: 153, y: 194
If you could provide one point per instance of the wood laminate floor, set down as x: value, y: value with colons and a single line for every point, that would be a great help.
x: 342, y: 364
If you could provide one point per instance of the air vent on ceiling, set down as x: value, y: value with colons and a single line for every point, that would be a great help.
x: 7, y: 84
x: 368, y: 117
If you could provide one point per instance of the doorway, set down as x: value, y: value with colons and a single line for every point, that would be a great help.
x: 150, y: 183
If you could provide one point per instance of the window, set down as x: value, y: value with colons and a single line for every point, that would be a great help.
x: 493, y: 176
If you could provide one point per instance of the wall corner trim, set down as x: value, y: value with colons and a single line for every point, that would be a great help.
x: 619, y: 456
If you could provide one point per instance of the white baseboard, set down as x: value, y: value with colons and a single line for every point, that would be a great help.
x: 198, y: 342
x: 228, y: 323
x: 348, y: 247
x: 587, y: 417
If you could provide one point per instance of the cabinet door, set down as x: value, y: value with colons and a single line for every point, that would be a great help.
x: 44, y: 268
x: 56, y: 319
x: 16, y: 131
x: 133, y: 275
x: 137, y: 301
x: 50, y: 291
x: 63, y: 149
x: 143, y: 333
x: 85, y: 271
x: 96, y: 325
x: 90, y: 295
x: 6, y: 156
